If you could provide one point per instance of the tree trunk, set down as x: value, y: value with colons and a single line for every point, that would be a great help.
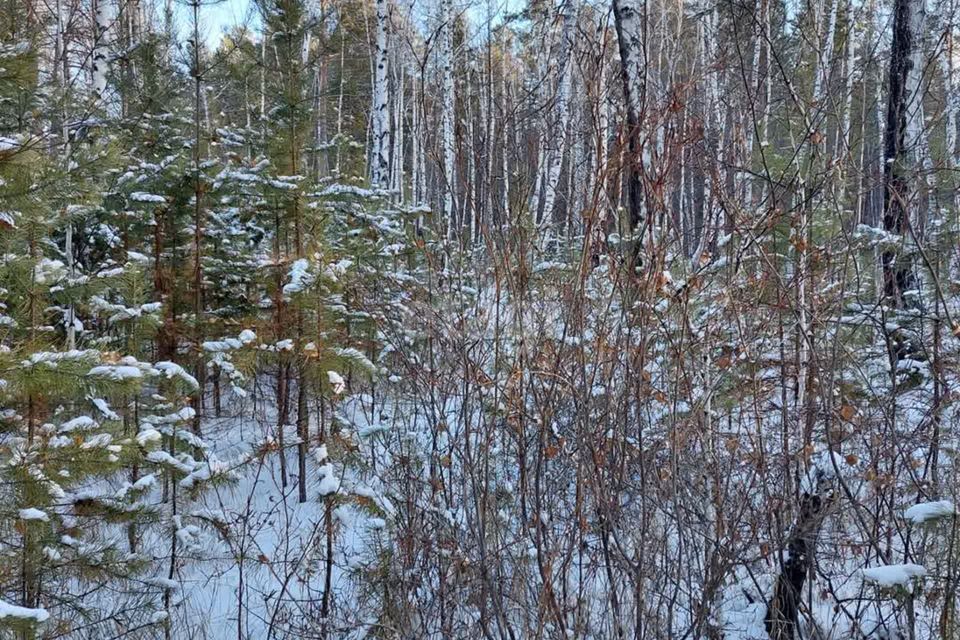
x: 380, y: 157
x: 629, y: 21
x: 783, y: 608
x: 899, y: 145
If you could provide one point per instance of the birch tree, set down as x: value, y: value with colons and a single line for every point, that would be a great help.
x: 629, y: 19
x: 448, y: 120
x: 560, y: 121
x: 901, y: 140
x: 380, y: 109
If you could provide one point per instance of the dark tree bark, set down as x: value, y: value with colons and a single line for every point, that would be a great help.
x: 784, y: 605
x: 903, y: 92
x: 629, y: 26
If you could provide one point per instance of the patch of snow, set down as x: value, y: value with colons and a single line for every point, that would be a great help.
x: 300, y: 277
x: 893, y: 575
x: 336, y: 381
x: 116, y: 372
x: 81, y: 422
x: 34, y: 514
x: 104, y: 408
x: 172, y: 369
x: 148, y: 435
x: 8, y: 610
x: 328, y: 481
x: 140, y: 196
x: 924, y: 511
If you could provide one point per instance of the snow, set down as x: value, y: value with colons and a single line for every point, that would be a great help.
x: 52, y: 359
x: 357, y: 358
x: 173, y: 370
x: 220, y: 346
x: 97, y: 441
x: 822, y: 471
x: 8, y: 144
x: 142, y: 484
x: 328, y: 480
x: 47, y: 270
x: 320, y: 453
x: 203, y: 471
x: 104, y: 408
x: 283, y: 184
x: 164, y: 458
x: 925, y: 511
x: 81, y: 422
x: 372, y: 429
x: 256, y: 509
x: 338, y: 268
x: 8, y: 610
x: 181, y: 415
x: 165, y: 584
x: 893, y: 575
x: 300, y: 277
x: 336, y: 381
x: 9, y: 218
x: 116, y: 372
x: 119, y: 312
x: 549, y: 266
x: 140, y: 196
x: 148, y: 435
x: 345, y: 189
x: 33, y: 514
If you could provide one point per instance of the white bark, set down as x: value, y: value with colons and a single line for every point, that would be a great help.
x: 557, y: 137
x: 750, y: 137
x: 448, y: 117
x: 305, y: 49
x: 914, y: 97
x: 396, y: 172
x: 486, y: 119
x: 714, y: 124
x: 879, y: 104
x: 952, y: 97
x: 100, y: 65
x: 630, y: 31
x: 416, y: 178
x: 263, y: 79
x: 916, y: 142
x: 380, y: 111
x: 470, y: 190
x: 340, y: 105
x: 825, y: 57
x: 628, y: 18
x: 850, y: 48
x: 505, y: 139
x: 70, y: 318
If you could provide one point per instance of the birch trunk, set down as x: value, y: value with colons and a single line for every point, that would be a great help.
x: 629, y: 20
x: 100, y: 67
x: 557, y: 135
x: 380, y: 111
x: 448, y: 118
x: 900, y: 143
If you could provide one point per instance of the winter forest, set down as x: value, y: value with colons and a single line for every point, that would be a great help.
x: 479, y: 319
